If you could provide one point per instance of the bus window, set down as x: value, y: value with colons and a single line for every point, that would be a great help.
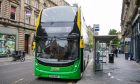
x: 58, y: 49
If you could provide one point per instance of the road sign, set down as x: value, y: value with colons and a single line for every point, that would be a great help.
x: 96, y: 27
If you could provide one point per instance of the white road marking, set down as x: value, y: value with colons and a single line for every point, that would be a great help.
x: 19, y: 80
x: 119, y: 79
x: 109, y: 74
x: 112, y: 77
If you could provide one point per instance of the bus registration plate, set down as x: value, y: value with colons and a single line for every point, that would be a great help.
x: 53, y: 76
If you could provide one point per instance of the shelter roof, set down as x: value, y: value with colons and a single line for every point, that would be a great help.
x: 105, y: 38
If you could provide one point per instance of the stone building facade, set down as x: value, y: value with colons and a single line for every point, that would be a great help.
x: 130, y: 19
x: 17, y: 22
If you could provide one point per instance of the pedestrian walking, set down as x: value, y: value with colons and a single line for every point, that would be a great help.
x: 115, y: 51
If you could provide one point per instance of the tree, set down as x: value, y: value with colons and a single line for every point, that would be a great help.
x: 115, y: 41
x: 113, y: 32
x: 90, y: 35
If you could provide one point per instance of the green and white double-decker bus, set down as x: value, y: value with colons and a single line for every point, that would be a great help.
x: 61, y: 43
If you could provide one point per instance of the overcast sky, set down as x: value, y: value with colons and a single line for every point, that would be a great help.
x: 106, y: 13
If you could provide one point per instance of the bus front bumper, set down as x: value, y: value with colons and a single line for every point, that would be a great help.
x: 62, y: 75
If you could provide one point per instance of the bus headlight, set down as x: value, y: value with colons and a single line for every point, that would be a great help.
x: 36, y: 64
x: 76, y: 66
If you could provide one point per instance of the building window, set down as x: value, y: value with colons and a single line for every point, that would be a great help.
x: 13, y: 13
x: 36, y: 4
x: 0, y: 9
x: 7, y: 44
x: 27, y: 16
x: 27, y: 1
x: 36, y: 17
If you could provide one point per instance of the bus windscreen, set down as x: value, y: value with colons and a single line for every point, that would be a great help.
x: 54, y: 50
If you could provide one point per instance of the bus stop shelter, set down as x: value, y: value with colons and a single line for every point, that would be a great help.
x: 102, y: 48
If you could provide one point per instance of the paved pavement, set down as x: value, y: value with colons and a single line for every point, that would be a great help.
x: 9, y: 59
x: 120, y: 72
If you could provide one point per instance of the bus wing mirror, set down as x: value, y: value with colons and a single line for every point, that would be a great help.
x: 34, y: 42
x: 81, y: 42
x: 33, y: 45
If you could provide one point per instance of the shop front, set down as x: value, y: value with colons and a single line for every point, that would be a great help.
x: 7, y: 44
x: 136, y: 39
x: 8, y: 40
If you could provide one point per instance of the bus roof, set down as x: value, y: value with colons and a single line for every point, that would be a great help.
x: 59, y: 14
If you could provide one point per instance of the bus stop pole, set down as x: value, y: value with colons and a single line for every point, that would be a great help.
x: 94, y: 55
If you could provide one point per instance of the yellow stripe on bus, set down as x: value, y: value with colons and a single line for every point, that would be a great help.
x: 79, y: 26
x: 38, y: 20
x: 79, y: 19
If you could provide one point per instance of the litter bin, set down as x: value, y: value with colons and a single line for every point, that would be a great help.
x: 111, y: 58
x: 126, y: 55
